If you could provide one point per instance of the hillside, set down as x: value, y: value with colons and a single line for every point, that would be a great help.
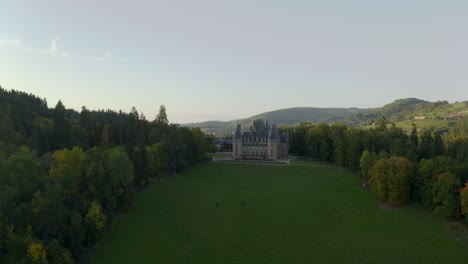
x: 282, y: 117
x: 405, y: 113
x: 402, y: 112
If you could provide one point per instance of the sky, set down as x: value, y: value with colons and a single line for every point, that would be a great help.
x: 224, y: 60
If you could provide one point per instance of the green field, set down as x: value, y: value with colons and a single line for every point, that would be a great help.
x: 292, y: 214
x: 220, y: 155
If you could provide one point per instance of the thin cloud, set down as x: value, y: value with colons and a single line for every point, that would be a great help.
x: 10, y: 42
x: 53, y: 50
x: 107, y: 56
x: 16, y: 43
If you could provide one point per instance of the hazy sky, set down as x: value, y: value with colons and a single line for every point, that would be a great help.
x: 230, y: 59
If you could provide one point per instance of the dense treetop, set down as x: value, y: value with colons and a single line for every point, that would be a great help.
x: 64, y: 175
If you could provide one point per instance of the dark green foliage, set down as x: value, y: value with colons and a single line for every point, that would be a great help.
x: 391, y: 180
x: 426, y: 145
x: 174, y: 149
x: 140, y: 161
x: 414, y: 137
x: 339, y: 142
x: 458, y: 148
x: 161, y: 118
x: 428, y: 170
x: 63, y: 201
x: 344, y: 146
x: 438, y: 147
x: 56, y: 204
x: 201, y: 143
x: 355, y: 148
x: 61, y: 129
x: 297, y: 135
x: 366, y: 162
x: 446, y: 195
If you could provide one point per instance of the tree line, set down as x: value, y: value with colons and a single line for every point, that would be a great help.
x: 64, y: 175
x: 427, y: 166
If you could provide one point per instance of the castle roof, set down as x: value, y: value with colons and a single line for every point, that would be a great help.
x: 238, y: 133
x: 221, y: 141
x: 284, y: 137
x: 273, y: 134
x: 260, y: 129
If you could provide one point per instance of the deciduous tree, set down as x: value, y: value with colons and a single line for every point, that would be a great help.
x: 391, y: 179
x: 366, y: 162
x: 464, y: 200
x: 446, y: 193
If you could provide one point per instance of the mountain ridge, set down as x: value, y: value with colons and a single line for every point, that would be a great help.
x: 400, y: 110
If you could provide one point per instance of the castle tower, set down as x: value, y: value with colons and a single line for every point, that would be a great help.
x: 273, y: 143
x: 237, y: 143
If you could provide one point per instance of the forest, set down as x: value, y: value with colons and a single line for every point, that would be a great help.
x: 426, y: 166
x: 65, y: 175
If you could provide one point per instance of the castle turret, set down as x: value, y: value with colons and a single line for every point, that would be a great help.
x: 237, y: 142
x: 237, y: 133
x: 273, y: 134
x: 273, y: 142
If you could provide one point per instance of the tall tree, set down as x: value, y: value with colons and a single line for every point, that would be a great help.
x: 438, y: 145
x: 366, y: 162
x: 425, y: 146
x: 339, y: 139
x: 119, y: 176
x: 161, y: 118
x: 464, y: 200
x: 391, y: 179
x: 446, y: 195
x: 414, y: 136
x: 95, y: 222
x: 156, y: 160
x: 355, y: 148
x: 159, y: 127
x: 61, y: 127
x: 201, y: 143
x: 174, y: 149
x: 106, y: 136
x: 7, y: 131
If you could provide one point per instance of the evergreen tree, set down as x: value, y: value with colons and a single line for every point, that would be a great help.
x: 161, y: 118
x: 60, y: 138
x: 414, y: 136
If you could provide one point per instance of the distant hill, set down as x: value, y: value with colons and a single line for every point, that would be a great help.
x: 402, y: 112
x: 282, y: 117
x: 406, y: 112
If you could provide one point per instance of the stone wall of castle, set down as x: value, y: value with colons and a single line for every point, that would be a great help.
x: 262, y: 142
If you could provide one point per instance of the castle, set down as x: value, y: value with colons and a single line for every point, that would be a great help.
x: 260, y: 142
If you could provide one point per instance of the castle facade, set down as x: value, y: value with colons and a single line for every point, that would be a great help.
x: 261, y: 142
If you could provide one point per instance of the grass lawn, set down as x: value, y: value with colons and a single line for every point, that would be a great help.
x: 292, y: 214
x: 219, y: 155
x: 424, y: 123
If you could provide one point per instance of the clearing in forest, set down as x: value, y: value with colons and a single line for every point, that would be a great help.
x: 232, y: 213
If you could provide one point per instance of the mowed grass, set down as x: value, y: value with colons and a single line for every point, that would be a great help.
x: 292, y: 214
